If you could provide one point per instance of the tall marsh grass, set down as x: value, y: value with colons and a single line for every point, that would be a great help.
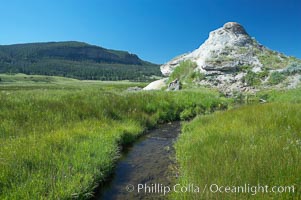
x: 255, y: 144
x: 59, y: 143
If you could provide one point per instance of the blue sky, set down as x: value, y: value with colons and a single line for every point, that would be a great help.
x: 155, y: 30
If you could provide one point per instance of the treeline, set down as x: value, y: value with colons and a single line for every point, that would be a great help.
x: 75, y: 60
x: 83, y: 70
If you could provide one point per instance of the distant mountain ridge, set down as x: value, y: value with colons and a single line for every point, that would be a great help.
x: 74, y: 59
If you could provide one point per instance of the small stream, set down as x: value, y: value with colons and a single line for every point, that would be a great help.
x: 150, y: 161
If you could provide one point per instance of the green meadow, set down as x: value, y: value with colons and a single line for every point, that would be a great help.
x: 254, y: 145
x: 61, y: 137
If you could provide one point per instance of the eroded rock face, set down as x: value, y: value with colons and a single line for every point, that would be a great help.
x: 226, y: 49
x: 222, y: 57
x: 235, y: 28
x: 232, y: 62
x: 175, y: 85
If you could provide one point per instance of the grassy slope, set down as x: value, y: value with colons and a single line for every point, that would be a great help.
x: 59, y: 139
x: 257, y: 144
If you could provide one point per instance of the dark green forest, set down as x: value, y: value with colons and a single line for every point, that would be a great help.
x: 75, y: 60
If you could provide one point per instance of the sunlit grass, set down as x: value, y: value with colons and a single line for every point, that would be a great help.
x: 59, y: 142
x: 255, y: 144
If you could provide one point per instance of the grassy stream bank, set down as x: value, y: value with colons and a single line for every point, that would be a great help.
x: 253, y: 145
x: 58, y: 142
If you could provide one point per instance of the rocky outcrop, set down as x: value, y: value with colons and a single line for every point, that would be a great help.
x: 227, y: 57
x: 174, y: 85
x: 156, y: 85
x: 226, y: 49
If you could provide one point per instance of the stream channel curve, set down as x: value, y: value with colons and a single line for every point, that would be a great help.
x: 150, y: 161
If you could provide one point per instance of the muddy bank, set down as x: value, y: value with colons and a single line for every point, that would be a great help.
x: 148, y: 161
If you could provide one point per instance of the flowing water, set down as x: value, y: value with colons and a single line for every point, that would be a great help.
x: 148, y: 162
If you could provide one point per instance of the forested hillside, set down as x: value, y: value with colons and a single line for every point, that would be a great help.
x: 76, y: 60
